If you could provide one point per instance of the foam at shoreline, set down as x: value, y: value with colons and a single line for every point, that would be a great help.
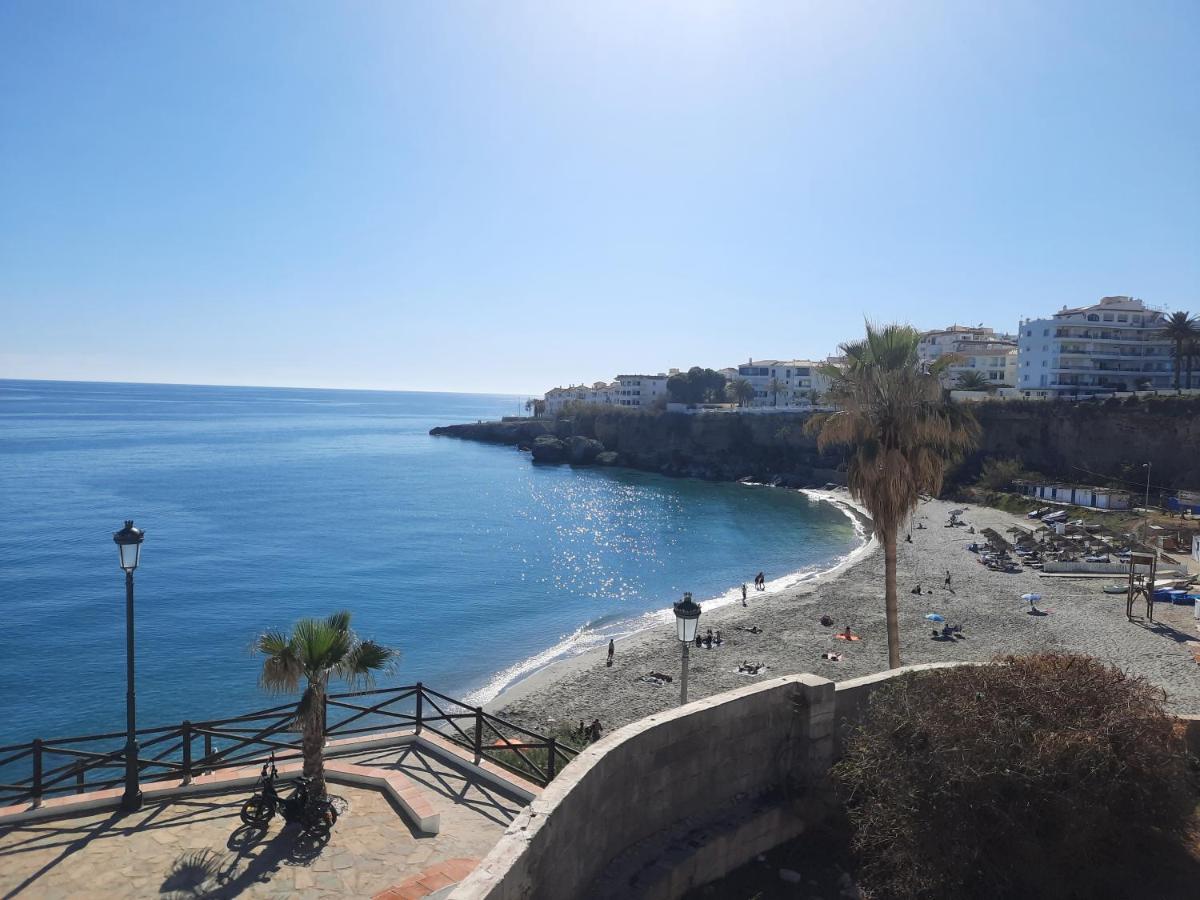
x: 598, y: 633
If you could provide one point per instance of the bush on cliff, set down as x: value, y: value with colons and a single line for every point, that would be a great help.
x: 1030, y: 777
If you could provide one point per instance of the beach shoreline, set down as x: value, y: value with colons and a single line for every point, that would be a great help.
x: 996, y: 622
x: 563, y: 666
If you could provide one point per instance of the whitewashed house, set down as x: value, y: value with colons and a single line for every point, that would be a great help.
x: 1077, y: 495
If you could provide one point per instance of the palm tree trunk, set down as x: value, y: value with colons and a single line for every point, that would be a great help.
x: 891, y: 605
x: 313, y: 741
x: 1178, y: 363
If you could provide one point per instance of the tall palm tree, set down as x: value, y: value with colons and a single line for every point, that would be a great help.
x: 1191, y: 350
x: 740, y: 391
x: 902, y: 431
x: 1179, y: 327
x: 315, y: 650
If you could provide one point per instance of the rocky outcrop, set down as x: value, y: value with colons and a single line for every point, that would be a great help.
x: 608, y: 458
x: 583, y: 450
x: 549, y: 449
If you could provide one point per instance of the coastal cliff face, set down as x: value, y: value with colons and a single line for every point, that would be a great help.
x: 724, y: 447
x: 1094, y: 442
x: 1072, y: 442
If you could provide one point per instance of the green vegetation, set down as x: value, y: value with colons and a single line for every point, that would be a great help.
x: 973, y: 381
x: 739, y: 391
x: 999, y: 474
x: 697, y: 385
x: 1038, y: 776
x: 902, y: 431
x: 315, y: 650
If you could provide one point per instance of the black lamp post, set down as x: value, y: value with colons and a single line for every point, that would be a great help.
x: 129, y: 543
x: 687, y: 618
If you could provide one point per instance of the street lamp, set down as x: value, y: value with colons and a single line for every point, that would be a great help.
x: 687, y: 617
x: 129, y: 544
x: 1146, y: 466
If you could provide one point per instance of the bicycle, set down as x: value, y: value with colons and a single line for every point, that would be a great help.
x: 317, y: 814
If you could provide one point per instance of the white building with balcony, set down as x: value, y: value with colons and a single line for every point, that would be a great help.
x: 642, y: 391
x: 982, y: 350
x: 783, y: 384
x: 1114, y: 345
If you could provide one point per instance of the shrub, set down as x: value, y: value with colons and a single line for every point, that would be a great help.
x: 999, y: 474
x: 1021, y: 778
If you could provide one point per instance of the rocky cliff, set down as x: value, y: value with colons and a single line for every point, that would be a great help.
x: 727, y: 446
x: 1086, y: 442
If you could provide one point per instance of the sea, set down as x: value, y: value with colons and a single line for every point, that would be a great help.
x: 265, y: 505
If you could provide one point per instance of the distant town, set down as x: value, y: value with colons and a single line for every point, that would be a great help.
x: 1114, y: 347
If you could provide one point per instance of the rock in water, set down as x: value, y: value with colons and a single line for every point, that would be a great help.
x: 584, y: 450
x: 549, y: 449
x: 608, y: 458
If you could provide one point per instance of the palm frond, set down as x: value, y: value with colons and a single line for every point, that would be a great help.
x: 282, y: 668
x: 365, y: 659
x: 339, y: 621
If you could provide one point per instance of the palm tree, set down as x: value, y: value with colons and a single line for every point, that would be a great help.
x: 1180, y: 328
x: 775, y: 386
x: 740, y: 391
x: 315, y: 650
x: 1191, y: 350
x: 973, y: 381
x: 902, y: 432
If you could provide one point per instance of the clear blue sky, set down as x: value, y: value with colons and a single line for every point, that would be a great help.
x: 508, y: 196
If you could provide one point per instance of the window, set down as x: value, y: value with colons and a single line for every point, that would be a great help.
x: 1122, y: 317
x: 1029, y: 332
x: 1045, y: 332
x: 1093, y: 318
x: 1108, y: 317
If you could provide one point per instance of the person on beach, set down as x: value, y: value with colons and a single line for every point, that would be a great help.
x: 708, y: 639
x: 950, y: 589
x: 760, y: 582
x: 743, y: 593
x: 612, y: 648
x: 717, y: 640
x: 699, y: 639
x: 582, y: 731
x: 594, y: 731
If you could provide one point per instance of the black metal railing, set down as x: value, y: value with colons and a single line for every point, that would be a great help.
x: 60, y: 766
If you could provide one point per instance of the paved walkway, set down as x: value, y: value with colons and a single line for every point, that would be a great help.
x: 198, y: 847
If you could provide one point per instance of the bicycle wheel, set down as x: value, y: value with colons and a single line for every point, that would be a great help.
x: 258, y: 811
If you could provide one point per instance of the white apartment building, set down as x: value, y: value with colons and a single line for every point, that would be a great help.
x: 982, y: 350
x: 602, y: 392
x: 641, y: 390
x: 1113, y: 345
x: 782, y: 383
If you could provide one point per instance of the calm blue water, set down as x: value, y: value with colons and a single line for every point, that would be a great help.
x: 264, y: 505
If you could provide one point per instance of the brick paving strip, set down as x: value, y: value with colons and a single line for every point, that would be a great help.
x: 436, y: 877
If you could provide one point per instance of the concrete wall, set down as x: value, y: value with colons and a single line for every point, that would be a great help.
x: 749, y: 764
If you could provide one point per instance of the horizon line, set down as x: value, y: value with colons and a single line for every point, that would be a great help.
x: 274, y: 387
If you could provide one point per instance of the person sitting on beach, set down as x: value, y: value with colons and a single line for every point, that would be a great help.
x: 717, y: 640
x: 916, y: 590
x: 699, y: 639
x: 827, y: 621
x: 708, y: 639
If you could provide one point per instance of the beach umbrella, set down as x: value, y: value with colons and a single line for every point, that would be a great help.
x: 935, y: 617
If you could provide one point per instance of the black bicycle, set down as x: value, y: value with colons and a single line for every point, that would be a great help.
x: 317, y: 814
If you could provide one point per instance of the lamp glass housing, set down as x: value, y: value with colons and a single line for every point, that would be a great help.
x: 129, y: 545
x: 687, y: 619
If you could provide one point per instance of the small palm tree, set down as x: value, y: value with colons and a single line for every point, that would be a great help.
x: 973, y: 381
x: 740, y: 391
x: 315, y: 650
x: 775, y: 386
x: 1180, y: 328
x: 903, y: 433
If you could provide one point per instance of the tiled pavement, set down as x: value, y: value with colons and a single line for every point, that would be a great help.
x: 197, y: 846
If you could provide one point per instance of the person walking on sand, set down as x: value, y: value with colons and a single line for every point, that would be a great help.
x: 950, y: 589
x: 612, y: 648
x: 594, y: 731
x: 743, y: 593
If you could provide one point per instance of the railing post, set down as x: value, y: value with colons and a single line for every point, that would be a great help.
x: 187, y: 751
x: 79, y: 777
x: 208, y: 749
x: 37, y: 772
x: 478, y: 734
x: 550, y: 761
x: 420, y: 700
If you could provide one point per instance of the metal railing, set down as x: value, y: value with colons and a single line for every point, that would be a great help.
x: 67, y: 765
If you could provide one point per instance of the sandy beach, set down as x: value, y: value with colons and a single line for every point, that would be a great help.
x: 1080, y: 618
